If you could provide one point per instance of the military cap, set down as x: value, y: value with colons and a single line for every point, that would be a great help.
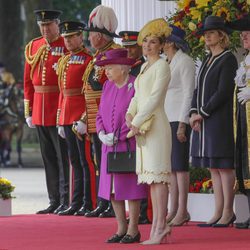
x: 47, y: 16
x: 129, y: 38
x: 68, y: 28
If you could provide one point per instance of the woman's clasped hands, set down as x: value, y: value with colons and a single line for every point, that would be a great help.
x: 108, y: 139
x: 195, y: 122
x: 133, y: 128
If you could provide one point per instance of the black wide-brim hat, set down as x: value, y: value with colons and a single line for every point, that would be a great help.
x: 68, y: 28
x: 46, y: 16
x: 103, y: 31
x: 214, y: 23
x: 242, y: 24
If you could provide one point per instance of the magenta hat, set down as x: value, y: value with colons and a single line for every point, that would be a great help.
x: 115, y: 56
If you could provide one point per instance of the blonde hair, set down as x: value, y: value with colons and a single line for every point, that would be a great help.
x: 224, y: 42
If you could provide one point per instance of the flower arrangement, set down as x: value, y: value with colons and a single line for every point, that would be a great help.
x: 200, y: 181
x: 190, y: 14
x: 203, y: 186
x: 6, y: 188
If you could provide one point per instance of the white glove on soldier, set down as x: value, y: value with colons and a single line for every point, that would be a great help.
x: 108, y: 139
x: 61, y: 131
x: 244, y: 95
x: 81, y: 127
x: 29, y: 122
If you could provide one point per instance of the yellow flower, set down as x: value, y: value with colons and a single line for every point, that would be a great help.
x: 202, y: 39
x: 196, y: 14
x: 223, y: 12
x: 219, y: 3
x: 202, y: 3
x: 4, y: 181
x: 179, y: 24
x: 182, y: 4
x: 192, y: 26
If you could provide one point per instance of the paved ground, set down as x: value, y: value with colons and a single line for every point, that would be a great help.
x: 30, y: 192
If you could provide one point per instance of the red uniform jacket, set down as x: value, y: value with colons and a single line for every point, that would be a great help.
x: 41, y: 91
x: 71, y: 101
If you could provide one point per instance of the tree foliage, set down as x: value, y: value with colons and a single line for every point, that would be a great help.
x: 18, y: 25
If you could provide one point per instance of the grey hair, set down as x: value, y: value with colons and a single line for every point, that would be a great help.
x: 125, y: 68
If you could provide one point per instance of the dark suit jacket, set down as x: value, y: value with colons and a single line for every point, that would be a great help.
x: 213, y: 99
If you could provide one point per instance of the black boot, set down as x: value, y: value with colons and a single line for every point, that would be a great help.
x: 83, y: 210
x: 49, y: 210
x: 102, y: 206
x: 109, y: 212
x: 62, y: 207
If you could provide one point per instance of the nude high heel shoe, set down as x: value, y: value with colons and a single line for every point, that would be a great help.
x: 182, y: 222
x: 159, y: 238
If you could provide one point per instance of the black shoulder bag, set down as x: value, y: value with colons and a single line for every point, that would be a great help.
x: 121, y: 162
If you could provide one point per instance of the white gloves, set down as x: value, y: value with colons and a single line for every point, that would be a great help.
x: 108, y: 140
x: 61, y: 131
x: 244, y: 95
x: 29, y: 122
x: 80, y: 127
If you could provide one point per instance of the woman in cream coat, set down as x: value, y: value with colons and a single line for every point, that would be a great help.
x: 153, y: 152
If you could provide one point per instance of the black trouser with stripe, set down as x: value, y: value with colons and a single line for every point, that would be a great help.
x: 55, y: 159
x: 82, y: 186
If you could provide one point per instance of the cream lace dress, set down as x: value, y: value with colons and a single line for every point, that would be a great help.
x: 153, y: 150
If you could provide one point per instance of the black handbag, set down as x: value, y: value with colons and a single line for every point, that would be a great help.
x: 121, y: 162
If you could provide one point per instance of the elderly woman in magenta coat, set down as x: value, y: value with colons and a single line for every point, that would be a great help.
x: 117, y: 93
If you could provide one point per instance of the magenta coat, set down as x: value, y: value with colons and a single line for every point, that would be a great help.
x: 111, y: 116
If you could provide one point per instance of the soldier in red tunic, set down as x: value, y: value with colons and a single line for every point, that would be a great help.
x: 71, y: 107
x: 102, y: 26
x: 41, y: 93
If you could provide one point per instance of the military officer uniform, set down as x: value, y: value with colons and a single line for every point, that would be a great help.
x: 94, y: 78
x: 71, y: 108
x: 41, y: 93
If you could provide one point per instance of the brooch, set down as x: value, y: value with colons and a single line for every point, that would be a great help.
x: 130, y: 85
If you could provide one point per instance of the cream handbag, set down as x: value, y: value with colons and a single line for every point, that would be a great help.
x: 146, y: 126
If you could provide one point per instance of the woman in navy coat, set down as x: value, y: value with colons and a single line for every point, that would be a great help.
x: 212, y: 119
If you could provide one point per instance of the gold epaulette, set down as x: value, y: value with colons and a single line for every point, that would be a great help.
x: 61, y: 65
x: 115, y: 46
x: 32, y: 60
x: 27, y: 108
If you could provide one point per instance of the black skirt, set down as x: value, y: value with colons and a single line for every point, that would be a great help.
x: 180, y: 151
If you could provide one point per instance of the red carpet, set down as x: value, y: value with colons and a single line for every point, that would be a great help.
x: 51, y: 232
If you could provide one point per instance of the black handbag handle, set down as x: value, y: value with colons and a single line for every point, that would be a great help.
x: 115, y: 145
